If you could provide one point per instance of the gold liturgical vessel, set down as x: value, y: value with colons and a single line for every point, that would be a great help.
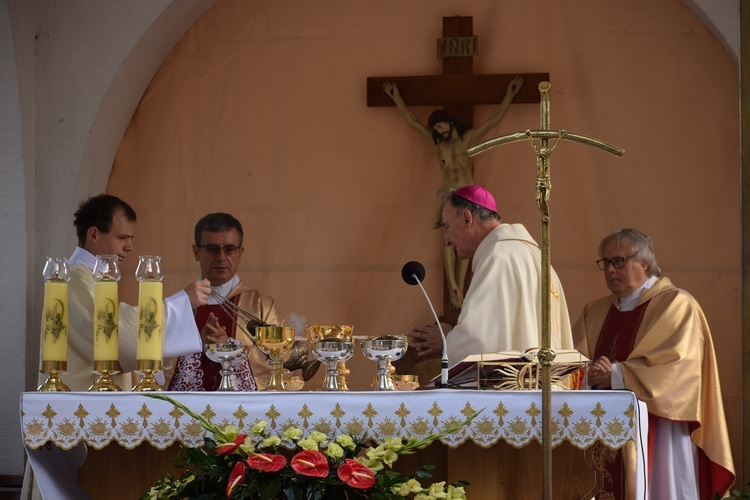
x: 276, y: 342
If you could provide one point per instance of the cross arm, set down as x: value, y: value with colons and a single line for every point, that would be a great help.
x: 442, y: 90
x: 544, y: 134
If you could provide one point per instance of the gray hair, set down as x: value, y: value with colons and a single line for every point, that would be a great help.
x: 640, y: 245
x: 460, y: 203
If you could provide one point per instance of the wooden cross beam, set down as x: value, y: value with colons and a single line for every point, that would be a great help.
x: 458, y: 89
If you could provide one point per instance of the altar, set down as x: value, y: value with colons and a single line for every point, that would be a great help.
x: 112, y: 445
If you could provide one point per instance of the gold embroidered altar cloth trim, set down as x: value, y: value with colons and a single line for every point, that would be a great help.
x: 129, y: 419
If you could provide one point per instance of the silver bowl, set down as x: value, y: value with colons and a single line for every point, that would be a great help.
x: 226, y: 354
x: 332, y: 352
x: 384, y: 349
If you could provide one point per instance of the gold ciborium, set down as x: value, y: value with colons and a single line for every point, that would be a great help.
x: 383, y: 350
x: 275, y: 341
x: 317, y: 333
x: 226, y: 354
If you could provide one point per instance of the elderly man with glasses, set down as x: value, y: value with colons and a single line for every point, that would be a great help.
x: 218, y: 250
x: 652, y: 338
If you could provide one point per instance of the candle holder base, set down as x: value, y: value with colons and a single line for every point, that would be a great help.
x: 105, y: 383
x: 148, y: 368
x: 148, y: 383
x: 105, y: 370
x: 53, y: 383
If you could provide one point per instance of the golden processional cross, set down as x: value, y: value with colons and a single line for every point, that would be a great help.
x: 543, y: 151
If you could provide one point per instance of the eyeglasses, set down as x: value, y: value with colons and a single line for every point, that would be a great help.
x: 617, y: 262
x: 215, y: 250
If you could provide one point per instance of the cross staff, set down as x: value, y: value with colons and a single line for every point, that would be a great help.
x: 543, y: 152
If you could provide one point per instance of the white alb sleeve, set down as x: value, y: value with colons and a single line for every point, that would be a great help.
x: 182, y: 335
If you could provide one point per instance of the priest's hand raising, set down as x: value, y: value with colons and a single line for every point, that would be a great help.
x: 198, y: 293
x: 600, y: 373
x: 213, y: 332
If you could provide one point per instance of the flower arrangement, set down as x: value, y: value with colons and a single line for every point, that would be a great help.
x: 258, y: 465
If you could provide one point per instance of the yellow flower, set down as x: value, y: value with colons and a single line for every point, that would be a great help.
x: 307, y: 444
x: 373, y: 465
x: 393, y: 444
x: 346, y: 441
x: 248, y: 446
x: 456, y: 493
x: 292, y: 433
x: 318, y: 437
x: 404, y: 489
x: 270, y: 441
x: 334, y: 451
x: 230, y: 433
x: 260, y: 427
x: 437, y: 490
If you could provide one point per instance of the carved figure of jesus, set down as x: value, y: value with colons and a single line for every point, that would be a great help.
x: 452, y: 142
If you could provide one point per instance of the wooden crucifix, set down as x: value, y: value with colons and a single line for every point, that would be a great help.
x: 457, y: 90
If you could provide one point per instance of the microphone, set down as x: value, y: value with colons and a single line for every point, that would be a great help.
x: 413, y: 274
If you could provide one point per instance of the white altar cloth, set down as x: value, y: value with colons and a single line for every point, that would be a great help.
x: 68, y: 420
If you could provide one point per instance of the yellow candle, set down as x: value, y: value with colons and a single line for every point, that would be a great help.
x: 106, y: 305
x: 55, y: 323
x: 150, y: 321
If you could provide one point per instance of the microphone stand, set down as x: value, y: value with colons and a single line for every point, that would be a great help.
x: 444, y: 360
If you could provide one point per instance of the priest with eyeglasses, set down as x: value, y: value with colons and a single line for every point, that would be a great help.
x: 218, y: 250
x: 652, y: 338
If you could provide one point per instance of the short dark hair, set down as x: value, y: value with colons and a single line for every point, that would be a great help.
x: 442, y: 116
x: 459, y: 203
x: 216, y: 223
x: 98, y: 211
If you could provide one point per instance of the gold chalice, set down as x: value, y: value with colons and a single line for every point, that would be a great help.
x: 383, y: 350
x: 317, y: 333
x: 275, y: 341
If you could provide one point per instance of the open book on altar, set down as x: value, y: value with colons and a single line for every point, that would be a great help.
x: 514, y: 370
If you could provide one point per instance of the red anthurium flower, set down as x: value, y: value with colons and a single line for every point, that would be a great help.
x: 266, y: 462
x: 356, y: 475
x: 310, y: 463
x: 227, y: 448
x: 236, y: 477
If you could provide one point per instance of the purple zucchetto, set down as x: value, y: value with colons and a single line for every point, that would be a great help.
x: 479, y: 196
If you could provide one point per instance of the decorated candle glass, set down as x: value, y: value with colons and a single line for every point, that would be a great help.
x: 55, y: 316
x: 106, y: 306
x: 150, y: 308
